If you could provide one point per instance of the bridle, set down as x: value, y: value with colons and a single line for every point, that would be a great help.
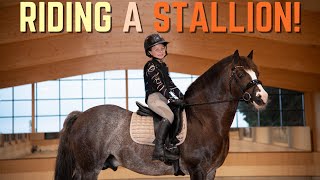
x: 246, y: 96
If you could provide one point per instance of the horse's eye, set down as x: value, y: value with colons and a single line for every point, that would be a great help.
x: 240, y: 75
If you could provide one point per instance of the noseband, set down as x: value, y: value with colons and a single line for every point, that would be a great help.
x: 245, y: 96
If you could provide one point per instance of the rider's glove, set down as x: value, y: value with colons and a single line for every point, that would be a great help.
x: 177, y: 102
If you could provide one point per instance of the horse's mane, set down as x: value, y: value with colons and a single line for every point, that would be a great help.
x: 214, y: 71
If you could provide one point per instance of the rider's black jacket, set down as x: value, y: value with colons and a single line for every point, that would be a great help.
x: 157, y: 79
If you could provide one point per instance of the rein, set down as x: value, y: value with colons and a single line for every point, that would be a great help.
x: 246, y: 97
x: 213, y: 102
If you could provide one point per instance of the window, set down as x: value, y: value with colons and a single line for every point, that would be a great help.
x: 285, y: 108
x: 16, y: 109
x: 136, y: 91
x: 55, y: 99
x: 47, y: 96
x: 182, y: 81
x: 115, y: 88
x: 6, y: 113
x: 93, y: 90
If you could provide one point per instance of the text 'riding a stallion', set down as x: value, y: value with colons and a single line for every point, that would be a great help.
x: 175, y: 16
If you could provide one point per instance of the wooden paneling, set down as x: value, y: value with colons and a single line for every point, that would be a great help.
x: 71, y: 67
x: 268, y: 53
x: 23, y: 61
x: 316, y: 110
x: 294, y: 80
x: 287, y: 60
x: 185, y: 64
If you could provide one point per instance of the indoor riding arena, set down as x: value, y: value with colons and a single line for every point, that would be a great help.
x: 58, y: 57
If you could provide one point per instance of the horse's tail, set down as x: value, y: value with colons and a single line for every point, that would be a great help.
x: 65, y: 162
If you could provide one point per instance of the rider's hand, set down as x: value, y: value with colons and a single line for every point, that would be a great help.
x: 176, y: 102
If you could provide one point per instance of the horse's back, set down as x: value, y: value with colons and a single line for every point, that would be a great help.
x: 103, y: 115
x: 101, y: 119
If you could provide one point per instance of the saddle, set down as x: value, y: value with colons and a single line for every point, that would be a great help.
x: 176, y: 125
x: 172, y: 140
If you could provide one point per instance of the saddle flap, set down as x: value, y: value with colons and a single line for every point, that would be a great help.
x: 143, y: 110
x: 142, y: 129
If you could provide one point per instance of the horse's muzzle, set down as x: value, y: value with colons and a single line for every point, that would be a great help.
x: 259, y: 102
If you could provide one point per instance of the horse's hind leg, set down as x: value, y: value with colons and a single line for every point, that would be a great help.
x: 89, y: 175
x: 80, y: 174
x: 211, y: 175
x: 197, y: 173
x: 76, y: 176
x: 111, y: 162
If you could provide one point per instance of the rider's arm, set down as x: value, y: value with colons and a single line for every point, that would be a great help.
x: 175, y: 90
x: 154, y: 75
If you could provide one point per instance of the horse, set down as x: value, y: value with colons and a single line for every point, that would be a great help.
x: 101, y: 134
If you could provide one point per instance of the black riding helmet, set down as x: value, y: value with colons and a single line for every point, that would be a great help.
x: 153, y: 40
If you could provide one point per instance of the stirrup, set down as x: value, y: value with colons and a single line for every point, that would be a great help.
x: 166, y: 157
x: 174, y: 157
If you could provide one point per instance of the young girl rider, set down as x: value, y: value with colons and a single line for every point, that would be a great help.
x: 159, y: 89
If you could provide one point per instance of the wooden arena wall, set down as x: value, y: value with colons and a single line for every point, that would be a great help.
x: 285, y: 60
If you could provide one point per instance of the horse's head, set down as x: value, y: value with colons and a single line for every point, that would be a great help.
x: 244, y: 80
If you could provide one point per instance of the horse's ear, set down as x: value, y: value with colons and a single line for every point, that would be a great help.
x: 235, y: 57
x: 250, y: 55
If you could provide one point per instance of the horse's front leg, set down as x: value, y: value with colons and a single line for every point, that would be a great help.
x: 197, y: 173
x: 211, y: 174
x: 76, y: 174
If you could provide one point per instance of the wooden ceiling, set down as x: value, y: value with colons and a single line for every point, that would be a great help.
x: 287, y: 60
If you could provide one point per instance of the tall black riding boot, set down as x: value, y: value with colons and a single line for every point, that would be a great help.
x: 159, y: 152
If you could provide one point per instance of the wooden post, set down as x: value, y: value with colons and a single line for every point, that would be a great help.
x: 127, y: 90
x: 33, y: 108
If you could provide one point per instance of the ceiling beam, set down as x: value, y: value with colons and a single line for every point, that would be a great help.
x: 267, y: 53
x: 112, y: 61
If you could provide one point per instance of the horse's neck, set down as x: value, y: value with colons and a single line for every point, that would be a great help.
x: 216, y: 115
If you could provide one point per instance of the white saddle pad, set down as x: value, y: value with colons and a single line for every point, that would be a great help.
x: 142, y: 129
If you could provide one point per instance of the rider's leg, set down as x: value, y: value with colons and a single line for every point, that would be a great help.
x: 158, y: 103
x: 159, y: 152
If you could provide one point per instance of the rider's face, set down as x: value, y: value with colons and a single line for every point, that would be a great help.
x: 158, y: 51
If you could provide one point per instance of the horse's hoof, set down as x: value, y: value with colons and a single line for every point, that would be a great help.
x: 114, y: 168
x: 179, y: 173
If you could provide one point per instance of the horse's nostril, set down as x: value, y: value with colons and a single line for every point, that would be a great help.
x: 258, y: 99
